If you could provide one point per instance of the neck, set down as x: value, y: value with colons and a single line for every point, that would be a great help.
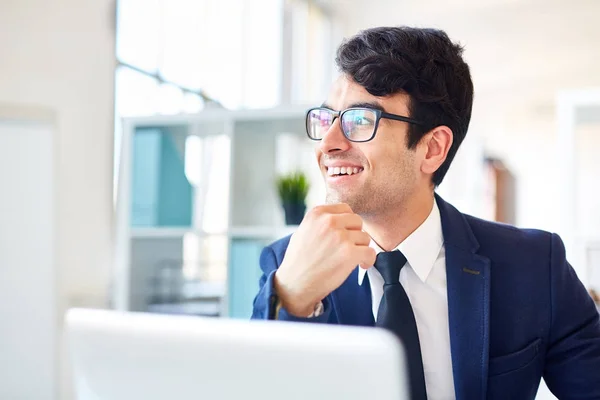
x: 390, y: 228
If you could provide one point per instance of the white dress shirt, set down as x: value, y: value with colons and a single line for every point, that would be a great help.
x: 424, y: 280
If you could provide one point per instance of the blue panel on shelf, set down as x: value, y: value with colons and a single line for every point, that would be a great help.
x: 175, y: 195
x: 145, y: 178
x: 161, y: 193
x: 244, y: 274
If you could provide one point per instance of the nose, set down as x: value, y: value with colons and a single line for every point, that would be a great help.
x: 334, y: 140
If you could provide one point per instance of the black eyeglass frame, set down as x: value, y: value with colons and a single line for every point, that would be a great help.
x: 379, y: 114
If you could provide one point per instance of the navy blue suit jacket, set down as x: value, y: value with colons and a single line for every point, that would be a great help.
x: 517, y: 311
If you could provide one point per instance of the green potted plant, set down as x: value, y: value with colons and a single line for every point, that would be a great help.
x: 293, y: 189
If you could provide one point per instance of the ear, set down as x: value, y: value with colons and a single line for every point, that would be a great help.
x: 436, y: 144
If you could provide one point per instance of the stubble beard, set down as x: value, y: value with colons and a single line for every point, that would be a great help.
x: 369, y: 202
x: 360, y: 201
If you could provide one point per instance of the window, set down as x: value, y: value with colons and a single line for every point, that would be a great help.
x: 175, y: 55
x: 312, y: 51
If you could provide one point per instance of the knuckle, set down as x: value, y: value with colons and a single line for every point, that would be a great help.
x: 347, y: 248
x: 340, y: 237
x: 329, y: 221
x: 315, y: 211
x: 346, y: 206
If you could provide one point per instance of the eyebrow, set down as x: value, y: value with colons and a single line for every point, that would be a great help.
x: 373, y: 105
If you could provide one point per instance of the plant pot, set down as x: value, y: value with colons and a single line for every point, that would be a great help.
x: 294, y: 213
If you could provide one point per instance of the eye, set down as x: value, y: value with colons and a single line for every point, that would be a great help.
x: 362, y: 121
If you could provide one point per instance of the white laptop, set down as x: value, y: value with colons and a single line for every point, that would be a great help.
x: 130, y: 356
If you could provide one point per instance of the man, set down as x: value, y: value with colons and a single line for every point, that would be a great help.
x: 484, y: 310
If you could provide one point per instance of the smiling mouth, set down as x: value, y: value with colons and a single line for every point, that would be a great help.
x: 341, y: 171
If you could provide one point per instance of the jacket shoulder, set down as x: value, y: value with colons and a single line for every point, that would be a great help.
x: 495, y: 237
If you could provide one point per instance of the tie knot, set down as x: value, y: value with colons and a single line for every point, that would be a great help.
x: 389, y: 264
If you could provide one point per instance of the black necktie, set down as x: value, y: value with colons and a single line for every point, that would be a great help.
x: 396, y: 314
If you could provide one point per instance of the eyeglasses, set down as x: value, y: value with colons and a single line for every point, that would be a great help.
x: 359, y: 124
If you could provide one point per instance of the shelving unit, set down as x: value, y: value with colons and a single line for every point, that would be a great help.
x: 248, y: 232
x: 196, y: 204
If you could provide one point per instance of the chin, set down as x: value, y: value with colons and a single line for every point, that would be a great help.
x: 335, y: 197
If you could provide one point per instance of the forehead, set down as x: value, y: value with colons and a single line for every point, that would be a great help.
x: 346, y: 93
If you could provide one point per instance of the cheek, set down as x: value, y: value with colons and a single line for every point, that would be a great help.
x: 318, y: 154
x: 394, y: 164
x: 388, y: 156
x: 392, y: 150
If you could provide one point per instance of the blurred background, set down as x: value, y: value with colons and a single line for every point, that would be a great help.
x: 145, y: 145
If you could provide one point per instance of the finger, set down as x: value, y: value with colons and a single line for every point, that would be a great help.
x: 342, y: 222
x: 366, y: 256
x: 339, y: 208
x: 359, y: 238
x: 349, y: 221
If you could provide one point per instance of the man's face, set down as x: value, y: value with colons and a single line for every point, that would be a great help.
x: 384, y: 172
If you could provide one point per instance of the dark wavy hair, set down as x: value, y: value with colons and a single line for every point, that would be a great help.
x: 425, y: 64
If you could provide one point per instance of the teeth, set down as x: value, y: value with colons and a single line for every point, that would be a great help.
x: 343, y: 170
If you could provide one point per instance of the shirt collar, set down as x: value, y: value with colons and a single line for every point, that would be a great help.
x: 421, y: 248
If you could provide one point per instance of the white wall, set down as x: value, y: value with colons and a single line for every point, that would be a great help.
x: 27, y: 268
x: 59, y: 55
x: 588, y: 180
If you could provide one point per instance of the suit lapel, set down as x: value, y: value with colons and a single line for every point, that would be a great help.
x: 352, y: 302
x: 468, y: 278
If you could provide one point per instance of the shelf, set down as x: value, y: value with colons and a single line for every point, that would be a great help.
x: 238, y: 232
x: 260, y: 232
x: 220, y: 116
x: 163, y: 233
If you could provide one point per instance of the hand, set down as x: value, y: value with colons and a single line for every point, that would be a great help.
x: 327, y: 246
